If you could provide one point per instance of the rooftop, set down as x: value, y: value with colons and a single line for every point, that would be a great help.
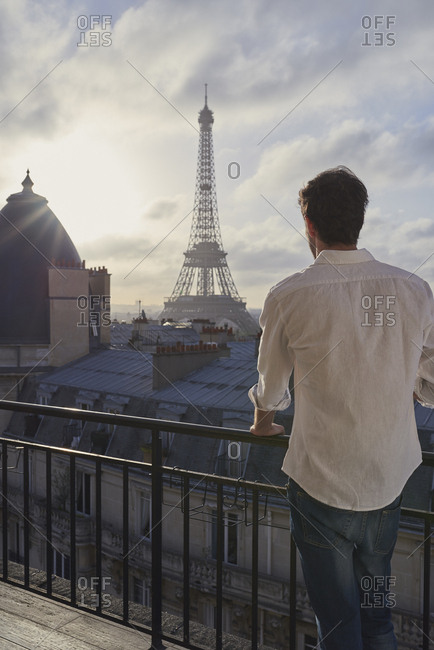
x: 120, y: 371
x: 127, y: 371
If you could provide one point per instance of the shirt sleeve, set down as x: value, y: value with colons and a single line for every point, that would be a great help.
x: 424, y: 385
x: 275, y: 361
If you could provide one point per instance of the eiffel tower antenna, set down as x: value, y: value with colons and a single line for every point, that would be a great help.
x: 205, y: 259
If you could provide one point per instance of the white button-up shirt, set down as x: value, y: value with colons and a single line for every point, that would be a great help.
x: 359, y: 335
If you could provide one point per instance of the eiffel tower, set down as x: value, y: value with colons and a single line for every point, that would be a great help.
x: 205, y: 256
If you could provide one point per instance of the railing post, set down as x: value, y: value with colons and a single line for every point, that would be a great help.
x: 292, y: 595
x: 98, y: 532
x: 255, y: 560
x: 26, y: 513
x: 426, y: 585
x: 49, y: 548
x: 5, y: 508
x: 157, y: 540
x: 72, y: 541
x: 219, y: 571
x: 186, y: 556
x: 125, y: 542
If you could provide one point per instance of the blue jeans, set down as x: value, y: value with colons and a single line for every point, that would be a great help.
x: 345, y: 555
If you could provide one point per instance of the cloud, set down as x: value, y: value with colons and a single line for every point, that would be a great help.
x: 380, y: 156
x: 119, y: 247
x: 111, y: 143
x: 164, y: 208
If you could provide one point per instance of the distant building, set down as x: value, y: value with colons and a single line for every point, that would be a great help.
x: 53, y: 309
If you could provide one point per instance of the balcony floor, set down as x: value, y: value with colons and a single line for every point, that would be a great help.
x: 32, y: 621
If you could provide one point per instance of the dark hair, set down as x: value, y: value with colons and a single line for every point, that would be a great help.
x: 335, y: 202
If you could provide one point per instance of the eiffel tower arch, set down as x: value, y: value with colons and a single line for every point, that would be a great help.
x: 205, y: 288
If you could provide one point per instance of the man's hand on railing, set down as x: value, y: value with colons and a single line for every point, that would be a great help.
x: 263, y: 424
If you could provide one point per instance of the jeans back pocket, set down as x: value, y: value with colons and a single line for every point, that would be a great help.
x: 388, y: 528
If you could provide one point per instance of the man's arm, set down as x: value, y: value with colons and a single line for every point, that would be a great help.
x: 275, y: 364
x: 424, y: 386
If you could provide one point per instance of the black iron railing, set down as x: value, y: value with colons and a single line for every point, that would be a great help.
x: 189, y: 484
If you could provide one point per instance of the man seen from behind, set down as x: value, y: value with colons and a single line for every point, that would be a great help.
x: 359, y: 336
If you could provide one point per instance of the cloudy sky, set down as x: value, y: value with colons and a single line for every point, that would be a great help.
x: 100, y: 101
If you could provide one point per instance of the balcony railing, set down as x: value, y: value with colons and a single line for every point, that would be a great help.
x: 200, y: 495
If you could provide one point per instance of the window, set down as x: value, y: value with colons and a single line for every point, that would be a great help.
x: 61, y: 565
x: 99, y: 439
x: 73, y: 431
x: 230, y: 537
x: 310, y: 642
x: 16, y: 546
x: 84, y: 407
x: 83, y: 493
x: 144, y: 515
x: 209, y: 616
x: 166, y: 441
x: 111, y: 427
x: 32, y: 423
x: 44, y: 393
x: 71, y: 434
x: 141, y: 592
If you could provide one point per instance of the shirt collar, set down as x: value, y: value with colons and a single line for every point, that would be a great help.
x: 344, y: 257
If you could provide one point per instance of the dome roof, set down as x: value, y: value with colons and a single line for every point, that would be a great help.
x: 31, y: 238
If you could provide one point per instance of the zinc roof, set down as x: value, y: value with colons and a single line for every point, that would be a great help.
x: 224, y: 383
x: 123, y: 372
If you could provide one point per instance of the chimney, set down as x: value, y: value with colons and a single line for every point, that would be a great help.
x: 174, y: 362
